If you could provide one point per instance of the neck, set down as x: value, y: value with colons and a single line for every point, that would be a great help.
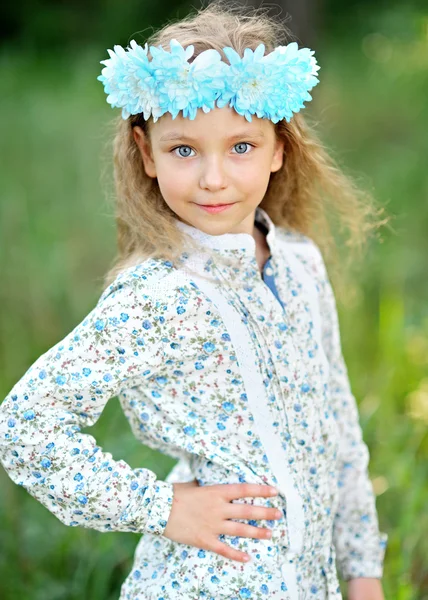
x: 233, y: 252
x: 262, y: 247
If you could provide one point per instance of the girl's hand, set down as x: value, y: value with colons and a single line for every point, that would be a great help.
x: 365, y: 588
x: 199, y: 514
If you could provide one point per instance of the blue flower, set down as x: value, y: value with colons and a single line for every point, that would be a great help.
x: 246, y: 82
x: 99, y: 325
x: 208, y: 346
x: 29, y: 415
x: 184, y: 86
x: 228, y: 406
x: 189, y: 430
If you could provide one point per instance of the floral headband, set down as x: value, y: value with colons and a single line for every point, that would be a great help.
x: 272, y: 86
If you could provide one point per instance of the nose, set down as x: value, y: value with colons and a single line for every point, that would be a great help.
x: 213, y: 176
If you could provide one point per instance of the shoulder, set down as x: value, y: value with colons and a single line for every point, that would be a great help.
x: 296, y: 241
x: 296, y: 244
x: 146, y: 280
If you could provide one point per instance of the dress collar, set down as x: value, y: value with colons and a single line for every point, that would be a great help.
x: 243, y: 242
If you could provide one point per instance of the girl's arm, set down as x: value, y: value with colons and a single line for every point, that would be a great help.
x: 360, y: 547
x: 42, y: 447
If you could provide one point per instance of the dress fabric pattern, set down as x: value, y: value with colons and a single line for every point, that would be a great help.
x: 238, y: 375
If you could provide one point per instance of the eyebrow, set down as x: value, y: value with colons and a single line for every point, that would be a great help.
x: 176, y: 135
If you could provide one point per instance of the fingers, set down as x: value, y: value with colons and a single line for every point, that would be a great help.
x: 228, y: 552
x: 231, y: 491
x: 215, y: 545
x: 249, y: 512
x: 244, y: 530
x: 234, y: 529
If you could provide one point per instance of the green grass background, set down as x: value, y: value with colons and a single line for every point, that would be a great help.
x: 57, y: 240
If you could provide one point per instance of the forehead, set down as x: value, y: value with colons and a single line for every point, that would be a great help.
x: 218, y: 123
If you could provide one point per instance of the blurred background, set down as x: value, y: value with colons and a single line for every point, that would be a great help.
x: 58, y: 239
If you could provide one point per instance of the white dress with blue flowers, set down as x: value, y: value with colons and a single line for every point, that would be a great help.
x: 241, y: 377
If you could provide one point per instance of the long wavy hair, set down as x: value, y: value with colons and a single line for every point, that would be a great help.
x: 306, y: 194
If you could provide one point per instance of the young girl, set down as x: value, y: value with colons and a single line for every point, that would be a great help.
x: 218, y: 331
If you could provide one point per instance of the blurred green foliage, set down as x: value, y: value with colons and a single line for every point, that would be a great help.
x: 44, y: 26
x: 57, y: 240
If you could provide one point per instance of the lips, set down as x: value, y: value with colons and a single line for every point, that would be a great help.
x: 215, y: 208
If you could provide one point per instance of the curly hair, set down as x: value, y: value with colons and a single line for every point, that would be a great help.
x: 308, y: 192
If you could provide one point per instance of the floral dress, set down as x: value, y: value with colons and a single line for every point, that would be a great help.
x: 238, y: 375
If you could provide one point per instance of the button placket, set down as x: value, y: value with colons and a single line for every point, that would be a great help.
x: 259, y: 404
x: 283, y: 372
x: 295, y: 527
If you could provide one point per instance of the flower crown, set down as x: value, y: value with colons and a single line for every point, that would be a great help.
x: 272, y: 86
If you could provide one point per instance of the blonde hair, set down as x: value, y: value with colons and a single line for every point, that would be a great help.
x: 304, y: 195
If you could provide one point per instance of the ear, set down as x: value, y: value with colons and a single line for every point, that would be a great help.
x: 278, y: 155
x: 143, y: 144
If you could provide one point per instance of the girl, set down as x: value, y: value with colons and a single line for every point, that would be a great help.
x: 218, y: 330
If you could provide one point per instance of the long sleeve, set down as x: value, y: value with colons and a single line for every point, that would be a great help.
x: 42, y: 447
x: 360, y: 546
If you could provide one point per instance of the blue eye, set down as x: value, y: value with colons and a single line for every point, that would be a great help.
x: 242, y: 144
x: 174, y: 149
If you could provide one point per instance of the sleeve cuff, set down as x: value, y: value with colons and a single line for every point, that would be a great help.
x: 354, y: 568
x: 159, y: 509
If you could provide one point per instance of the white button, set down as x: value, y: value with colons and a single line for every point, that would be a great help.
x: 268, y: 271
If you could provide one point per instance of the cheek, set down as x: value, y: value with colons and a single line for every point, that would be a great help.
x: 254, y: 176
x: 174, y: 180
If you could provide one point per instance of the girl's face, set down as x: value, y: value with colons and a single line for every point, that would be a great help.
x: 218, y: 158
